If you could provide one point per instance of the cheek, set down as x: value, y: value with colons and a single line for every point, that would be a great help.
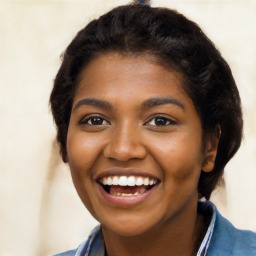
x: 82, y: 150
x: 180, y: 156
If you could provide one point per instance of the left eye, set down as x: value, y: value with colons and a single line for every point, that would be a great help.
x: 95, y: 120
x: 160, y: 121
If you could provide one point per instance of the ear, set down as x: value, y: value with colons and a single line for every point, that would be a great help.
x: 211, y: 143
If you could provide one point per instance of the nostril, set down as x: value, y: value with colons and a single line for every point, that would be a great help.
x: 125, y: 152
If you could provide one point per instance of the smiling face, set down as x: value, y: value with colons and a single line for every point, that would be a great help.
x: 134, y: 144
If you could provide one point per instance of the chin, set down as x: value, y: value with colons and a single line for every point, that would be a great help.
x: 126, y: 227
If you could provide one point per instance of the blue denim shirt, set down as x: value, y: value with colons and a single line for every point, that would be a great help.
x: 221, y: 238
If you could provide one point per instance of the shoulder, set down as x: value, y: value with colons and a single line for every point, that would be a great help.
x: 85, y: 246
x: 230, y: 241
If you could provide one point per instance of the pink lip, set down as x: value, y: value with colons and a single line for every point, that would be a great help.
x: 123, y: 201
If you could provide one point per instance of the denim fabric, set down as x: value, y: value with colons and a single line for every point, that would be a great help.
x: 221, y: 238
x: 227, y: 240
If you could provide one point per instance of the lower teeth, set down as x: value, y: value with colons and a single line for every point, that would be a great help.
x: 124, y: 194
x: 139, y: 190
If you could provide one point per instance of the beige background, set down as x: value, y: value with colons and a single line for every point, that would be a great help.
x: 40, y: 213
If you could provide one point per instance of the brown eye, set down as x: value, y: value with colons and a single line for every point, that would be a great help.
x: 160, y: 121
x: 95, y: 120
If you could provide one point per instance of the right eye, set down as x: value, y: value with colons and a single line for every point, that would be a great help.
x: 160, y: 121
x: 94, y: 121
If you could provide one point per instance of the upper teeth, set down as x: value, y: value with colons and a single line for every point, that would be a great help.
x: 127, y: 180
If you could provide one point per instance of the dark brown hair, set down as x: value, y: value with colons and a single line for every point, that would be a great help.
x: 178, y: 43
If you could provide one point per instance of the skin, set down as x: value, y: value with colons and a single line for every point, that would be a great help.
x: 163, y: 140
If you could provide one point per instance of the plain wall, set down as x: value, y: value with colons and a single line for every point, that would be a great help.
x: 40, y: 212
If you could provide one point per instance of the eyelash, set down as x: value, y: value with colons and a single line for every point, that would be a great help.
x: 165, y: 121
x: 88, y: 121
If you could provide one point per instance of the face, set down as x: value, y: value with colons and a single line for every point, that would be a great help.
x: 134, y: 144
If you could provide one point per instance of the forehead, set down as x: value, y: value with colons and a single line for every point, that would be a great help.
x: 125, y: 77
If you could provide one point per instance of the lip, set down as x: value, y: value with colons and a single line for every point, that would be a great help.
x: 123, y: 201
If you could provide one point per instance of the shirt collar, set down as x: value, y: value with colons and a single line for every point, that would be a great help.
x: 208, y: 209
x: 94, y: 245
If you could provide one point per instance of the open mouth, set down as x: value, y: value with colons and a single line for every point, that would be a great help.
x: 127, y: 186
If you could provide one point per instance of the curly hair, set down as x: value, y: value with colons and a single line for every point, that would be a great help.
x: 177, y: 43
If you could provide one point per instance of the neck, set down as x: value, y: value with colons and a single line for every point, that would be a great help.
x: 181, y: 235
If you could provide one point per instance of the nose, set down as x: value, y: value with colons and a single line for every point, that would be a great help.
x: 125, y: 143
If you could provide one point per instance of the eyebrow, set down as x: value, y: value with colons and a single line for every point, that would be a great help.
x: 149, y: 103
x: 153, y: 102
x: 93, y: 102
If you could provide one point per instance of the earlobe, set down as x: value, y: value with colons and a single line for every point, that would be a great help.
x: 210, y: 152
x: 208, y: 163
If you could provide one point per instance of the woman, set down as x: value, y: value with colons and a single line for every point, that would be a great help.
x: 148, y: 115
